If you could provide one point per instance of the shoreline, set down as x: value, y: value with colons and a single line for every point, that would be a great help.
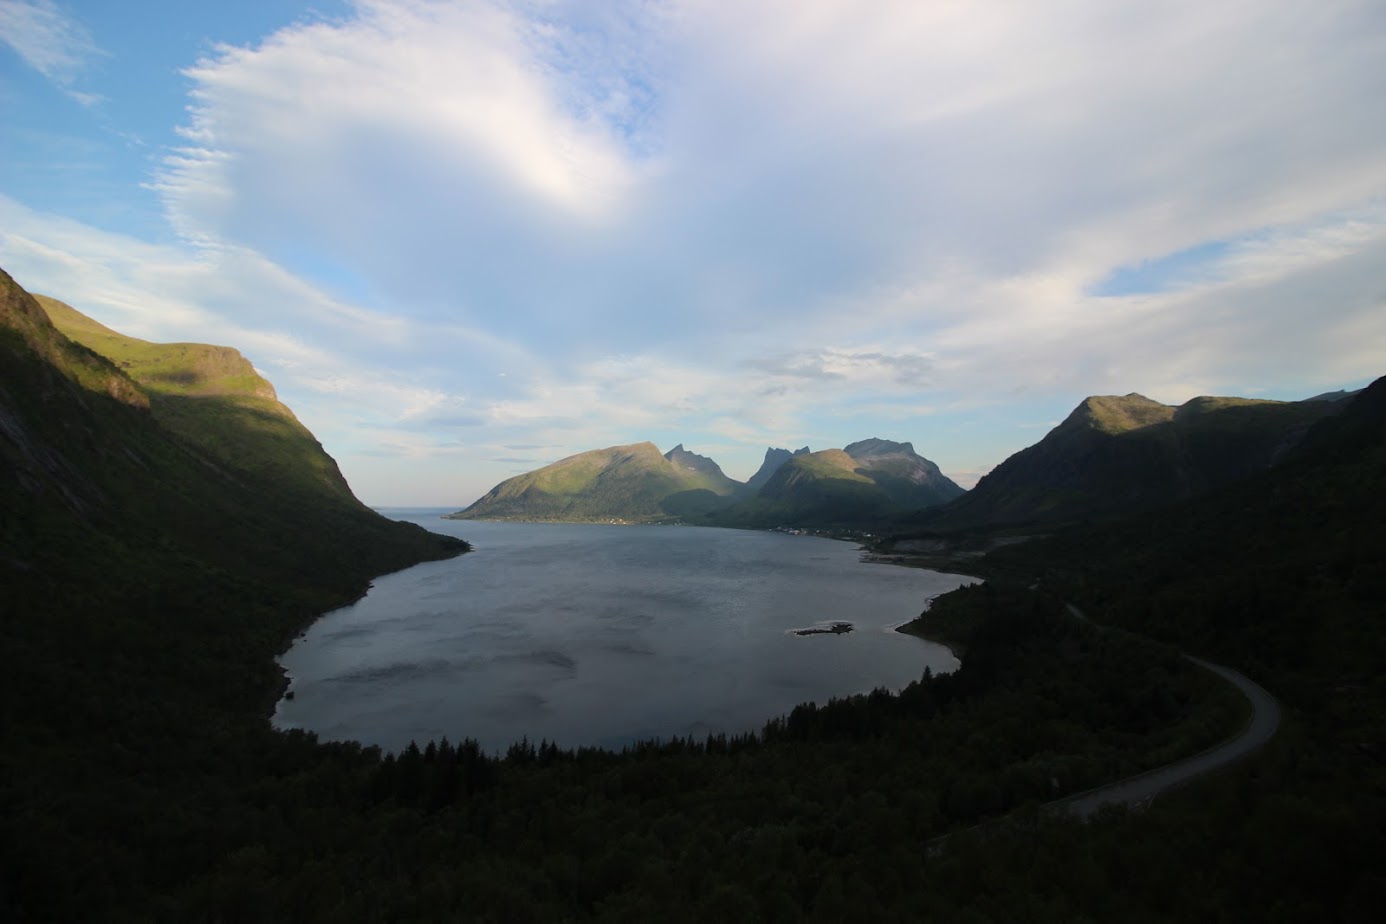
x: 916, y: 627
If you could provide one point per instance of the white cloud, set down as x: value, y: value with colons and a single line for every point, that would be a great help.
x: 308, y: 344
x: 445, y: 89
x: 50, y: 41
x: 767, y: 161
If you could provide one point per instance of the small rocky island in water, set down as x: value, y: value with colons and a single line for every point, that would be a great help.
x: 834, y: 628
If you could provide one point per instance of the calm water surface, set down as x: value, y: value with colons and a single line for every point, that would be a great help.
x: 601, y: 635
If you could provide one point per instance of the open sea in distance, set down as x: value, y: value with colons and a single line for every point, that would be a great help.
x: 602, y: 635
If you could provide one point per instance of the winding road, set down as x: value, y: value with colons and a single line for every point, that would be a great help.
x: 1138, y: 790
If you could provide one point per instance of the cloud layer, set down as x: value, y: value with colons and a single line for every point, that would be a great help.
x: 448, y: 229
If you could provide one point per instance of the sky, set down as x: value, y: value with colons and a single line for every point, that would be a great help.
x: 467, y: 239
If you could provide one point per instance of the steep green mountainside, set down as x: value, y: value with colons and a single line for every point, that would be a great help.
x: 774, y: 458
x: 863, y: 486
x: 110, y: 502
x: 212, y: 397
x: 812, y: 472
x: 147, y: 584
x: 1117, y: 455
x: 633, y: 483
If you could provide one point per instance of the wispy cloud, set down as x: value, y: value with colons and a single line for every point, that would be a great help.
x: 51, y: 41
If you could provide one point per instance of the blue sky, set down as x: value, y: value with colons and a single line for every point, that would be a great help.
x: 467, y: 239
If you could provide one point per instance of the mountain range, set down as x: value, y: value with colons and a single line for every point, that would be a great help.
x: 865, y: 482
x: 1112, y: 456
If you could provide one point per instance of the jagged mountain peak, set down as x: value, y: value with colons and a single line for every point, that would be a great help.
x: 774, y: 458
x: 691, y: 461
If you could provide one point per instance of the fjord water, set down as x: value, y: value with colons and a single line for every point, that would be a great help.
x: 601, y: 635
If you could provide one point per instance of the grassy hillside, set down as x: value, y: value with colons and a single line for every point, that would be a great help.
x: 863, y: 486
x: 819, y: 489
x: 774, y: 458
x: 632, y: 483
x: 212, y: 397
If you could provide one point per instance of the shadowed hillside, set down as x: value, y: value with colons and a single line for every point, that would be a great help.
x: 1118, y: 455
x: 115, y: 508
x: 1283, y: 575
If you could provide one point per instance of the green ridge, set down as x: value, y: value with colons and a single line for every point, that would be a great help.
x: 213, y: 397
x: 633, y: 483
x: 867, y: 484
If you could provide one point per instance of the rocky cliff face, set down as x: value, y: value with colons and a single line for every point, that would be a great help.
x: 774, y: 458
x: 691, y: 462
x: 910, y: 480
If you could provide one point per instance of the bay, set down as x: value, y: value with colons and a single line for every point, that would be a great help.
x: 601, y: 635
